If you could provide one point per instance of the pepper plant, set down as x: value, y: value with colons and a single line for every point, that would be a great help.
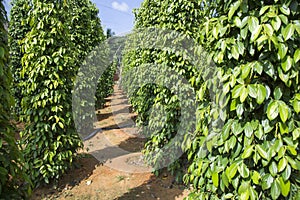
x: 255, y: 155
x: 48, y: 63
x: 12, y: 165
x: 182, y: 17
x: 18, y: 28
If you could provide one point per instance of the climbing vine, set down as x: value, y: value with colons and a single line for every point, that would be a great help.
x: 12, y: 165
x: 246, y: 141
x: 255, y: 155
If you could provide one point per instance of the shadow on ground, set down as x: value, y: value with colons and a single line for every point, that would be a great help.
x: 162, y: 187
x: 82, y: 169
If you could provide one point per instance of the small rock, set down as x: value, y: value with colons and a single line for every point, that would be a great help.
x: 88, y: 182
x: 148, y: 187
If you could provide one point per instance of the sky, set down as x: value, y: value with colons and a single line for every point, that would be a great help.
x: 117, y: 14
x: 114, y: 14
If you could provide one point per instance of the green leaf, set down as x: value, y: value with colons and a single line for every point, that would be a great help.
x: 260, y: 132
x: 283, y: 111
x: 233, y: 9
x: 267, y: 181
x: 275, y: 189
x: 287, y: 64
x: 293, y: 163
x: 292, y: 150
x: 282, y: 164
x: 256, y: 33
x: 285, y: 187
x: 231, y: 171
x: 215, y: 179
x: 276, y: 23
x: 238, y: 22
x: 285, y: 9
x: 297, y: 55
x: 244, y: 94
x: 246, y: 70
x: 247, y: 152
x: 282, y: 50
x: 287, y: 172
x: 241, y: 48
x: 288, y: 31
x: 263, y: 10
x: 244, y: 32
x: 277, y: 93
x: 237, y: 91
x: 284, y: 19
x: 296, y: 134
x: 252, y: 91
x: 272, y: 110
x: 239, y: 110
x: 261, y: 152
x: 253, y: 193
x: 236, y: 128
x: 258, y: 67
x: 229, y: 196
x: 243, y: 170
x: 244, y: 187
x: 61, y: 125
x: 296, y: 105
x: 261, y: 94
x: 256, y: 177
x: 235, y: 52
x: 284, y: 77
x: 225, y: 180
x: 283, y: 128
x: 253, y: 24
x: 245, y: 195
x: 248, y: 130
x: 268, y: 29
x: 273, y: 169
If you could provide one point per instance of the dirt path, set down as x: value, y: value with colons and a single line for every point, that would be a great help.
x: 111, y: 167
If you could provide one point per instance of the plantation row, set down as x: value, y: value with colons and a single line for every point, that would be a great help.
x: 46, y: 44
x: 245, y: 140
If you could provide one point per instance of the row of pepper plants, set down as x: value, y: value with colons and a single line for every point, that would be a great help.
x: 11, y: 159
x: 46, y: 44
x: 246, y: 139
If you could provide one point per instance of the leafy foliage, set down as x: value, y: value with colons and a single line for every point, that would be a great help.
x: 12, y: 175
x: 246, y: 142
x: 18, y: 28
x: 180, y: 16
x: 255, y: 155
x: 87, y: 35
x: 105, y: 84
x: 60, y: 37
x: 48, y: 65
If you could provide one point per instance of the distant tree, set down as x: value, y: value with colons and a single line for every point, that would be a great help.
x: 109, y: 33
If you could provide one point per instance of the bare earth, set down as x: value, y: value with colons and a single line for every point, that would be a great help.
x: 111, y: 166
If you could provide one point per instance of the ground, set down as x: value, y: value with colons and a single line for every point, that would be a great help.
x: 111, y: 166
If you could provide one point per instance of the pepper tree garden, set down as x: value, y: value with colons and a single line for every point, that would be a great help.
x: 245, y: 143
